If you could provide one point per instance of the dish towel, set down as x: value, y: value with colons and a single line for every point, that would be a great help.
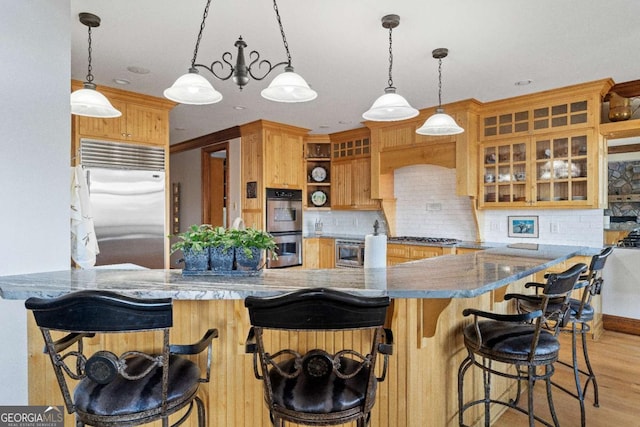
x: 84, y: 244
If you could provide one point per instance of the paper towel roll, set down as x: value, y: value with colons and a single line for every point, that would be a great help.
x: 375, y: 251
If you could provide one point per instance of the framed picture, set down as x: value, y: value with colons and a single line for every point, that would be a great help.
x: 523, y: 226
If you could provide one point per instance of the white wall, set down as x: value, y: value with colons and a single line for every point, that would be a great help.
x: 35, y: 135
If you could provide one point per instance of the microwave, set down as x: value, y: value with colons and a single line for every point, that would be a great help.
x: 350, y: 253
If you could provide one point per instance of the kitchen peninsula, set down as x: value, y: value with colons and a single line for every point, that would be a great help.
x: 428, y: 297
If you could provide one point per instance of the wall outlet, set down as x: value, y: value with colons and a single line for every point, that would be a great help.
x: 555, y: 227
x: 434, y: 206
x: 494, y: 226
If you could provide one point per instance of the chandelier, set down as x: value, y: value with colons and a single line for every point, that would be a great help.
x: 440, y: 123
x: 88, y: 101
x: 191, y: 88
x: 390, y: 106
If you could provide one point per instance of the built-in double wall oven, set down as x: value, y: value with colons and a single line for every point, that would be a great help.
x: 284, y: 223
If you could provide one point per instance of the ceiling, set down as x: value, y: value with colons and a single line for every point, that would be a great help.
x: 341, y: 49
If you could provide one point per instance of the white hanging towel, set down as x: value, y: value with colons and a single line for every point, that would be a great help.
x: 84, y: 244
x: 238, y: 224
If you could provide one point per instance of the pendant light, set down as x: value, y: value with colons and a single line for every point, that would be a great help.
x: 88, y: 101
x: 390, y: 106
x: 440, y: 123
x: 194, y: 89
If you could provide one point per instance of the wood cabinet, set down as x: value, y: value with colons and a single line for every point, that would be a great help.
x: 351, y: 171
x: 319, y: 252
x: 144, y: 119
x: 318, y: 171
x: 543, y: 150
x: 463, y: 251
x: 272, y: 157
x: 283, y: 157
x: 612, y: 237
x: 553, y: 170
x: 398, y: 253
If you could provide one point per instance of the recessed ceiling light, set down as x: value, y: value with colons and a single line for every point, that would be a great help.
x: 179, y: 129
x: 239, y: 107
x: 324, y: 126
x: 523, y: 82
x: 121, y: 81
x: 345, y: 122
x: 138, y: 70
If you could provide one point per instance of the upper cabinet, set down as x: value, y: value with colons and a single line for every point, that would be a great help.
x: 283, y: 155
x: 552, y: 170
x: 144, y: 120
x: 351, y: 171
x: 543, y: 150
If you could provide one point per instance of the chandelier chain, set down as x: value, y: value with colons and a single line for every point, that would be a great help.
x: 89, y: 68
x: 284, y: 38
x: 390, y: 81
x: 204, y: 18
x: 439, y: 82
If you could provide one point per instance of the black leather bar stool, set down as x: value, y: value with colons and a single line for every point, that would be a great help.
x: 577, y: 323
x: 318, y: 386
x: 104, y: 389
x: 519, y: 341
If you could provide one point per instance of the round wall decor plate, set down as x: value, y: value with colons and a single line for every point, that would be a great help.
x: 319, y: 174
x: 318, y: 198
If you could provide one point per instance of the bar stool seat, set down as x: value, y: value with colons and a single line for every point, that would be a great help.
x: 520, y: 342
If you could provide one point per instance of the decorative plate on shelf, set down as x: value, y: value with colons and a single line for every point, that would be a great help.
x: 319, y: 174
x: 318, y: 198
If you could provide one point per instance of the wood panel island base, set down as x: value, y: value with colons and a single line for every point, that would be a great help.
x: 425, y: 316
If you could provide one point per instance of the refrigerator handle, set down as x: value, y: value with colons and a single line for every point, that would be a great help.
x: 88, y: 181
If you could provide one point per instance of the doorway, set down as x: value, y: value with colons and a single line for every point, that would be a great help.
x: 214, y: 185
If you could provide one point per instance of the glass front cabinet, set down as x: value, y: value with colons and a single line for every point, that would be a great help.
x: 553, y: 170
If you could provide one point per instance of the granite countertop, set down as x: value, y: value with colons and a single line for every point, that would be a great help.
x: 450, y: 276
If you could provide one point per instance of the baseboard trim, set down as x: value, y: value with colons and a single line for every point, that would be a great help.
x: 621, y: 324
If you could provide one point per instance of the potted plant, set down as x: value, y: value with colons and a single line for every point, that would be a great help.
x: 194, y: 246
x: 221, y: 249
x: 249, y: 244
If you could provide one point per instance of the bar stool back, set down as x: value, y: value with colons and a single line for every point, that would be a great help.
x: 518, y: 340
x: 134, y: 388
x: 314, y: 386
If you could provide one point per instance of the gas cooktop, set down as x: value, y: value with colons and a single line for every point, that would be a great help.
x: 439, y: 240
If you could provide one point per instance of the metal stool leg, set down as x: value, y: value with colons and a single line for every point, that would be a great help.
x: 552, y: 408
x: 591, y: 376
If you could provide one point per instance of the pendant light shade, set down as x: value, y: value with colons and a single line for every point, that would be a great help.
x: 193, y: 89
x: 289, y: 87
x: 440, y: 123
x: 91, y: 103
x: 88, y: 101
x: 390, y: 106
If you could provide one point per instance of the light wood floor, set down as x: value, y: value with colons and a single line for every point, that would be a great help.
x: 615, y: 358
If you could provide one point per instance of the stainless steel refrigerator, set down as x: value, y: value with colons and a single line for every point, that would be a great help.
x: 127, y: 194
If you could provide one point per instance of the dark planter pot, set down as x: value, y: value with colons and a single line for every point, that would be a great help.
x: 219, y: 260
x: 245, y: 263
x: 195, y: 260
